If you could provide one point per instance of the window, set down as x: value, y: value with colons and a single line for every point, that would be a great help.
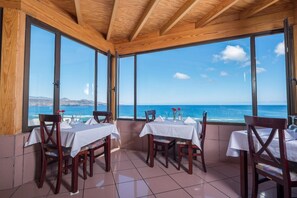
x: 197, y: 79
x: 126, y: 87
x: 215, y: 77
x: 271, y: 76
x: 60, y: 73
x: 41, y: 77
x: 77, y: 79
x: 102, y: 82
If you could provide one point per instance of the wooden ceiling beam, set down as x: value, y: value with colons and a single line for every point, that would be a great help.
x: 148, y: 11
x: 178, y: 16
x: 257, y: 7
x: 214, y: 13
x: 78, y: 12
x: 112, y: 19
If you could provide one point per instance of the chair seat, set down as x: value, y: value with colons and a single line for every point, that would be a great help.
x: 163, y: 140
x: 54, y: 153
x: 96, y: 144
x: 277, y: 172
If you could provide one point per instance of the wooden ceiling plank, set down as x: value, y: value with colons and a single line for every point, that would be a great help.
x: 259, y: 6
x: 214, y: 13
x: 112, y: 19
x: 178, y: 16
x: 78, y: 12
x: 152, y: 4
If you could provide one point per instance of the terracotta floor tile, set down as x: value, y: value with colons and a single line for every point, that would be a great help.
x: 119, y: 156
x: 126, y: 175
x: 104, y: 191
x: 228, y: 170
x: 30, y: 190
x: 161, y: 184
x: 67, y: 195
x: 99, y: 180
x: 136, y: 155
x: 185, y: 180
x: 7, y: 193
x: 147, y: 172
x: 174, y: 194
x: 138, y: 163
x: 133, y: 189
x: 204, y: 190
x: 210, y: 175
x: 122, y: 165
x: 66, y: 184
x: 229, y: 187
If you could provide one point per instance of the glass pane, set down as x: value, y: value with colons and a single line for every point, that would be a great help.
x: 271, y: 76
x: 77, y: 79
x: 102, y: 83
x: 41, y: 76
x: 214, y: 77
x: 126, y: 87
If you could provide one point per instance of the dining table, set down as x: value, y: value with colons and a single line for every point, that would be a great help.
x: 77, y: 136
x: 238, y: 147
x: 173, y: 129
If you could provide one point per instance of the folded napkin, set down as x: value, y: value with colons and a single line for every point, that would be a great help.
x: 91, y: 121
x: 65, y: 125
x: 159, y: 119
x: 190, y: 120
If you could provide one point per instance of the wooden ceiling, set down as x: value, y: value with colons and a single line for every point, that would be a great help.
x: 126, y: 20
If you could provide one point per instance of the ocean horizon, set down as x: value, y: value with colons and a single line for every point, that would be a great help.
x: 216, y: 113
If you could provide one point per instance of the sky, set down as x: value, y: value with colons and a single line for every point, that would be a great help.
x: 216, y: 73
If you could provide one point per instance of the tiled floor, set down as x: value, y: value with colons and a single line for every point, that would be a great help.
x: 131, y: 177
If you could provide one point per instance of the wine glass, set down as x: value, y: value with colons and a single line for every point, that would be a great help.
x: 293, y: 125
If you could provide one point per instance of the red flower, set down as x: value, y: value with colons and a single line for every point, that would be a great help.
x: 178, y: 109
x: 173, y: 109
x: 60, y: 111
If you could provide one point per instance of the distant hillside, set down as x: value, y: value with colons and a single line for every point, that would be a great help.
x: 44, y: 101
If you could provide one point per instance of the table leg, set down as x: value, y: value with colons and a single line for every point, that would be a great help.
x: 151, y: 149
x: 190, y: 157
x: 243, y: 174
x: 74, y: 178
x: 107, y: 154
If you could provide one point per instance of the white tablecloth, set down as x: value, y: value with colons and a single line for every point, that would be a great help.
x: 176, y: 129
x: 79, y: 135
x: 239, y: 141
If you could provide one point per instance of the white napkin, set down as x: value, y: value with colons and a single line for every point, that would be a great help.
x: 65, y: 125
x: 159, y: 119
x: 91, y: 121
x: 190, y: 120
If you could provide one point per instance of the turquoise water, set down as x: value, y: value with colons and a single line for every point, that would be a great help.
x: 216, y: 113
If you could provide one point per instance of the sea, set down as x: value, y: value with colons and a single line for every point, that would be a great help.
x: 216, y: 113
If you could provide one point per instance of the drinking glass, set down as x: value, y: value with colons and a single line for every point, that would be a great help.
x: 293, y: 126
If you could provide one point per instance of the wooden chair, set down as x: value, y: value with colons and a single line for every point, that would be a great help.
x: 262, y: 158
x: 160, y: 143
x: 182, y: 146
x: 51, y: 149
x: 100, y: 117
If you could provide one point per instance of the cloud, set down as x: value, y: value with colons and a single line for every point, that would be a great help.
x: 223, y: 73
x: 181, y: 76
x: 203, y: 76
x: 87, y: 89
x: 210, y: 69
x: 280, y: 49
x: 260, y: 70
x: 232, y: 53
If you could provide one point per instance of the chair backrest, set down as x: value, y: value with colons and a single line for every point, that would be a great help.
x: 203, y: 130
x: 260, y: 148
x: 50, y: 132
x: 150, y: 115
x: 103, y: 116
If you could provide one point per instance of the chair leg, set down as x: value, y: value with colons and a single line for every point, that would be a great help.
x: 156, y: 149
x: 179, y: 150
x: 91, y: 153
x: 66, y: 166
x: 43, y: 171
x: 166, y: 155
x: 287, y: 192
x: 255, y: 184
x: 85, y: 165
x: 202, y: 160
x: 174, y: 154
x: 281, y: 192
x: 59, y: 179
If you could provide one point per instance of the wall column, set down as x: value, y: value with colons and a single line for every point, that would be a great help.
x: 12, y: 71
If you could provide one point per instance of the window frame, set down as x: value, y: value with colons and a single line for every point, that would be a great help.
x: 251, y: 37
x: 56, y: 95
